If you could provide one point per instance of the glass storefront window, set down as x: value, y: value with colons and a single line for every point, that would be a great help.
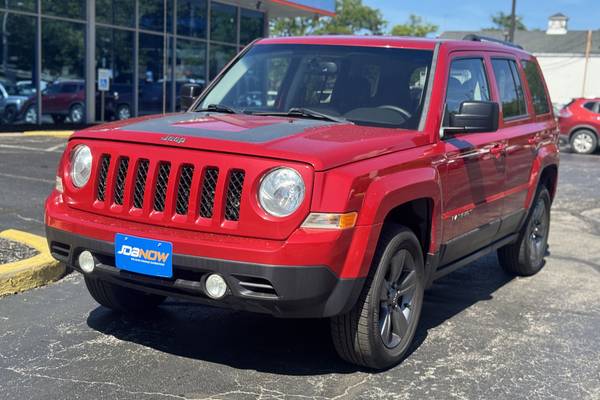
x: 191, y: 18
x: 190, y: 65
x: 152, y: 15
x: 220, y: 56
x: 64, y: 8
x: 17, y: 56
x: 151, y: 70
x: 116, y: 12
x: 114, y: 51
x: 252, y: 25
x: 63, y: 65
x: 223, y: 23
x: 19, y: 5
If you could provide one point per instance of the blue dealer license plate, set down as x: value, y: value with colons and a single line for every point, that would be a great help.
x: 144, y: 256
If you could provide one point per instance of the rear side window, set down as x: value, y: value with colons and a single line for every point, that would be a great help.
x: 467, y: 82
x: 592, y: 106
x: 510, y: 88
x: 536, y: 87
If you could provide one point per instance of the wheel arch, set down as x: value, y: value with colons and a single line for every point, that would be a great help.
x: 577, y: 128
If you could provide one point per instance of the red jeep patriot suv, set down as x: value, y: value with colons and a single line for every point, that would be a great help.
x: 318, y: 177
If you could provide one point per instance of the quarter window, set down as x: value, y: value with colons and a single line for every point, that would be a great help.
x: 467, y: 82
x: 510, y: 88
x: 536, y: 87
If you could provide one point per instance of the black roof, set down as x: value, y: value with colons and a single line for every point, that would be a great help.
x: 573, y: 42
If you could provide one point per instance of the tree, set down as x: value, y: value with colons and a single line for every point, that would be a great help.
x: 415, y: 26
x: 352, y: 17
x: 502, y: 22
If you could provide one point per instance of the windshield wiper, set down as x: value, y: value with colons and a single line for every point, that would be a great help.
x: 306, y: 113
x: 220, y: 108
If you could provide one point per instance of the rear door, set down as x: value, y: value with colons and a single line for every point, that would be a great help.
x: 526, y: 121
x: 475, y: 165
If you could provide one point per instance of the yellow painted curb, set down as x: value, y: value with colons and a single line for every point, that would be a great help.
x: 61, y: 134
x: 32, y: 272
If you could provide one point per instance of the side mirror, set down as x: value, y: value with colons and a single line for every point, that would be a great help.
x: 189, y: 93
x: 474, y: 117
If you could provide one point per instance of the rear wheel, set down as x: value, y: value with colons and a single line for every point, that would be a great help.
x: 378, y: 331
x: 584, y: 141
x: 122, y: 299
x: 525, y: 257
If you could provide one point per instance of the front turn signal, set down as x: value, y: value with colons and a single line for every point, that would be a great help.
x: 330, y: 221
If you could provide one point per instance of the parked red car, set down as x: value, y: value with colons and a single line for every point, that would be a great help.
x: 318, y: 177
x: 580, y: 125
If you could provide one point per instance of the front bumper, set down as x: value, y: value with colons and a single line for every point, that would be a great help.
x: 283, y: 291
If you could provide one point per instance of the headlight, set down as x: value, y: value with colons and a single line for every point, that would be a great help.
x: 81, y: 165
x: 281, y: 192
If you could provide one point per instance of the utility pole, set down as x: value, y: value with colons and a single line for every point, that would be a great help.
x: 513, y: 22
x: 588, y: 49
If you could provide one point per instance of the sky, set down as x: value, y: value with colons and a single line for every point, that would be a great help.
x: 475, y: 14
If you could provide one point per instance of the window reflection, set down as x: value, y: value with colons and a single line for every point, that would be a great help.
x: 220, y: 55
x: 116, y: 12
x: 191, y: 18
x: 16, y: 65
x: 150, y: 95
x: 151, y: 14
x: 223, y: 23
x: 64, y: 8
x: 252, y: 25
x: 114, y: 51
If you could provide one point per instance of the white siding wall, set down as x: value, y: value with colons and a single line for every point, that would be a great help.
x: 564, y: 76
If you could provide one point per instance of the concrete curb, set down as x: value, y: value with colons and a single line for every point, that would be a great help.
x: 60, y: 134
x: 56, y: 134
x: 32, y: 272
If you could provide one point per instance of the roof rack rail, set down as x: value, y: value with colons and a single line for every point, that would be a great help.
x: 478, y: 38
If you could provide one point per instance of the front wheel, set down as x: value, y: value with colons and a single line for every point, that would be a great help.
x: 76, y: 113
x: 525, y: 257
x: 122, y: 299
x: 31, y: 114
x: 378, y: 331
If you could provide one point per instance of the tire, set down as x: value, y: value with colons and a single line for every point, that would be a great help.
x: 30, y: 115
x: 525, y: 257
x: 58, y: 119
x: 10, y: 115
x: 368, y: 334
x: 76, y: 114
x: 122, y: 299
x: 584, y: 141
x: 123, y: 112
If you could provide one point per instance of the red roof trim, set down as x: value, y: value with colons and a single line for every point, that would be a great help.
x: 304, y: 8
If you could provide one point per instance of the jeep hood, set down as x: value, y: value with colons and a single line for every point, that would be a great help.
x: 322, y: 144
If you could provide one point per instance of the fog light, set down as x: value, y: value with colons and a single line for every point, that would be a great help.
x: 215, y: 286
x: 87, y: 262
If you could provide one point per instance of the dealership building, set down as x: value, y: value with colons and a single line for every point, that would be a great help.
x: 84, y: 61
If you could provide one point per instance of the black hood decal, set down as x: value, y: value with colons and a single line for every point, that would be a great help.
x: 225, y: 127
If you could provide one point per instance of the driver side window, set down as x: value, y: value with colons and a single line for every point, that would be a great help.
x: 467, y: 82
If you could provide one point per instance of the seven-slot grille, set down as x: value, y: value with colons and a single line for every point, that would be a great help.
x: 143, y: 183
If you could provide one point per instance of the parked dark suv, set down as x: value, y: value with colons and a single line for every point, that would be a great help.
x: 318, y: 177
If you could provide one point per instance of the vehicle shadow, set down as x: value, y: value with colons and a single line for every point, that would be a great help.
x: 280, y: 346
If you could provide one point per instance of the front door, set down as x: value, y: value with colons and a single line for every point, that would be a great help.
x: 475, y: 166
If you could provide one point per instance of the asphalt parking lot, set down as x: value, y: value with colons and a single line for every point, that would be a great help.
x: 483, y: 333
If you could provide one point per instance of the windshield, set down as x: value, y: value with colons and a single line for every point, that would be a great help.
x: 367, y: 86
